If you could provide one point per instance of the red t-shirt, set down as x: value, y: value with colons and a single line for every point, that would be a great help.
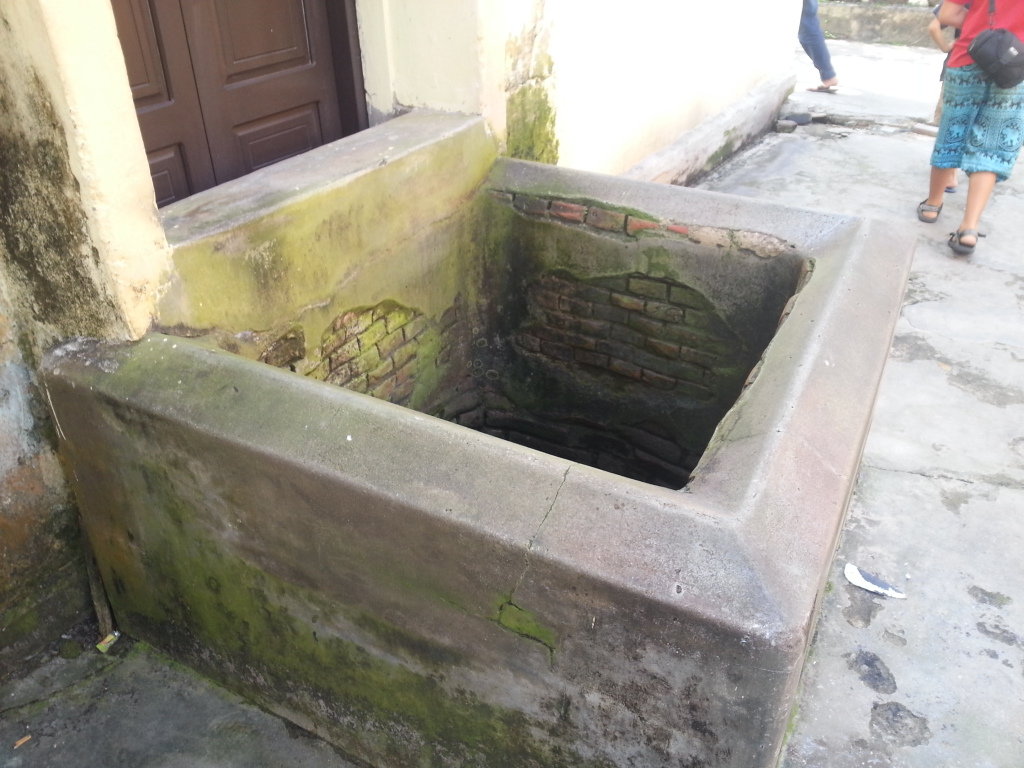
x: 1009, y: 15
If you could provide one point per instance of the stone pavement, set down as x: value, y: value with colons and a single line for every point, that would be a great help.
x: 936, y: 679
x: 933, y: 680
x: 134, y: 708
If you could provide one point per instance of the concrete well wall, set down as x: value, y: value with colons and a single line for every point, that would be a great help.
x: 424, y: 594
x: 584, y: 328
x: 80, y: 254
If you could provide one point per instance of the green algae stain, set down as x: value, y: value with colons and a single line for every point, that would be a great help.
x: 525, y: 624
x: 20, y: 626
x: 403, y: 643
x: 662, y: 263
x: 530, y: 125
x: 386, y: 700
x: 726, y: 150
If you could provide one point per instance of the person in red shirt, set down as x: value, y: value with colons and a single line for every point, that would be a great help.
x: 982, y: 125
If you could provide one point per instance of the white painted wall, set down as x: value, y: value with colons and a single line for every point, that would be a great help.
x: 628, y: 79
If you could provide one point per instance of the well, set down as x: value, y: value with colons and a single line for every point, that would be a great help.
x: 504, y: 571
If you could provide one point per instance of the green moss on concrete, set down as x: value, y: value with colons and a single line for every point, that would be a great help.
x: 525, y: 624
x: 70, y: 649
x: 387, y: 701
x: 303, y: 259
x: 43, y: 226
x: 663, y: 263
x: 791, y: 724
x: 723, y: 153
x: 530, y: 125
x: 20, y: 625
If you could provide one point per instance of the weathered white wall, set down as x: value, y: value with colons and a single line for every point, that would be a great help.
x: 81, y: 253
x: 418, y: 54
x: 84, y: 69
x: 625, y: 81
x: 629, y: 79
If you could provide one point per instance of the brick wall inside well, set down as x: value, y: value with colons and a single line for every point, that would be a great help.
x: 374, y: 350
x: 654, y: 332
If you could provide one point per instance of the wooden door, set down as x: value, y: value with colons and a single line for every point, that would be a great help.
x: 224, y: 87
x: 265, y: 79
x: 166, y: 100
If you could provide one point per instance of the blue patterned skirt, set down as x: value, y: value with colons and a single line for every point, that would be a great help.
x: 982, y: 126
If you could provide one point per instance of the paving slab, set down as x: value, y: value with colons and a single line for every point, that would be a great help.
x: 937, y: 678
x: 888, y: 82
x: 134, y: 707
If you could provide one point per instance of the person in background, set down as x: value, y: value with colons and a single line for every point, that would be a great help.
x: 935, y: 31
x: 812, y: 39
x: 982, y: 126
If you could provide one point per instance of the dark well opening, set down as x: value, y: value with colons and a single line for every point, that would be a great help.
x: 591, y: 334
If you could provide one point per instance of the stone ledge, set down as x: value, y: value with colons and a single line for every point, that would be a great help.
x: 877, y: 23
x: 701, y: 149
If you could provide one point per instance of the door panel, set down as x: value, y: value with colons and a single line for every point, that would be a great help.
x: 276, y: 43
x: 223, y: 87
x: 166, y: 99
x: 167, y: 166
x: 260, y: 58
x: 141, y: 52
x: 274, y: 138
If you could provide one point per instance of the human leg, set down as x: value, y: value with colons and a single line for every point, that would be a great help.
x: 812, y: 39
x: 979, y: 189
x: 937, y: 117
x: 993, y: 143
x: 963, y: 94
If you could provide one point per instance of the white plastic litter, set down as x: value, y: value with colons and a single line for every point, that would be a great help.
x: 859, y: 578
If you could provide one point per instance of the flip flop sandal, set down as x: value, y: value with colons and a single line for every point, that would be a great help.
x: 823, y: 89
x: 962, y: 248
x: 924, y: 208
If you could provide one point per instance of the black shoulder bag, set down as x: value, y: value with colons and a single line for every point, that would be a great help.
x: 999, y: 53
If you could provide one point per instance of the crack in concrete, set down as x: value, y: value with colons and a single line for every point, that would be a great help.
x: 999, y: 481
x: 510, y: 601
x: 70, y: 687
x: 999, y: 343
x: 536, y: 533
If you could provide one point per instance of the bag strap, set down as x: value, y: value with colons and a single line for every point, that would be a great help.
x: 991, y: 13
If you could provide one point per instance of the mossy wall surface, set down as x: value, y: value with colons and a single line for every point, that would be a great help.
x: 51, y: 288
x: 530, y: 116
x: 360, y: 267
x: 368, y: 574
x: 613, y: 338
x: 425, y: 595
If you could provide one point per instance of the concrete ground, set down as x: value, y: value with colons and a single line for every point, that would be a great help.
x: 134, y: 708
x: 936, y: 679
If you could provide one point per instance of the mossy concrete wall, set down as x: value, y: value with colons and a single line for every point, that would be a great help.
x: 342, y: 263
x: 426, y: 595
x: 389, y: 581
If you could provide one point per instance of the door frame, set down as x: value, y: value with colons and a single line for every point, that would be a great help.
x: 348, y: 70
